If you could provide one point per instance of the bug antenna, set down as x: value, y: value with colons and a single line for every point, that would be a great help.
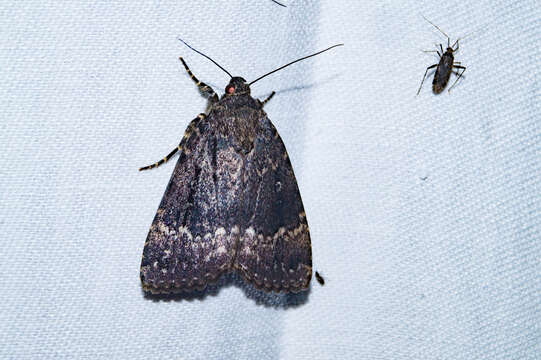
x: 276, y: 2
x: 293, y: 62
x: 436, y: 27
x: 482, y: 27
x: 200, y: 53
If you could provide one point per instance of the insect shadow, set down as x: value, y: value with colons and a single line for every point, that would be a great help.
x: 325, y: 80
x: 307, y: 86
x: 445, y: 66
x: 281, y: 300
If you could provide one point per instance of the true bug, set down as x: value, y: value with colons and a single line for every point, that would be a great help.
x: 445, y: 66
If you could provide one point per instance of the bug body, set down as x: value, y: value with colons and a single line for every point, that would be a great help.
x: 444, y: 67
x: 232, y: 203
x: 443, y: 71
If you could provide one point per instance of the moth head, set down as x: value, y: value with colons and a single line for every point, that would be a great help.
x: 237, y: 86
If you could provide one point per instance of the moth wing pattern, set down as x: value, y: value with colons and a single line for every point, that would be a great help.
x: 191, y: 241
x: 274, y: 251
x: 232, y: 204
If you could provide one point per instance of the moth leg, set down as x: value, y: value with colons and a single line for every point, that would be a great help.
x: 164, y: 160
x: 424, y: 77
x: 187, y: 134
x: 458, y: 76
x: 204, y: 88
x: 267, y: 99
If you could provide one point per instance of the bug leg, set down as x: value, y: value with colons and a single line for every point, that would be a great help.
x: 458, y: 76
x: 428, y: 68
x: 436, y: 51
x: 432, y: 51
x: 187, y: 134
x: 456, y: 42
x: 267, y: 99
x: 204, y: 88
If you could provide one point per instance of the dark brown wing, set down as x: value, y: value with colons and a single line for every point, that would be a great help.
x: 443, y: 73
x: 192, y: 239
x: 274, y: 251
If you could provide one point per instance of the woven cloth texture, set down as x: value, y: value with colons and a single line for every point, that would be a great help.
x: 424, y: 210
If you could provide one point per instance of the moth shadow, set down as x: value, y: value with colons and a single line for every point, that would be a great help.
x: 325, y: 80
x: 269, y: 299
x: 261, y: 297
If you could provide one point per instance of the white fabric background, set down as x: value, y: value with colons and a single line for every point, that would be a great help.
x: 445, y: 268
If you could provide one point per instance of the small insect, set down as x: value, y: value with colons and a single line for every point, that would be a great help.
x: 232, y: 203
x: 445, y: 66
x: 320, y: 279
x: 276, y: 2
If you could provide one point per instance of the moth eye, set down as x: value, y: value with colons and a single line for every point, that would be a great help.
x: 278, y: 186
x: 230, y: 89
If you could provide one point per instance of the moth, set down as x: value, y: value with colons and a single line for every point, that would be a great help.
x: 445, y: 66
x: 232, y: 203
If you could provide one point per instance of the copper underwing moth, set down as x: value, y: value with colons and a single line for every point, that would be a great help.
x: 232, y: 203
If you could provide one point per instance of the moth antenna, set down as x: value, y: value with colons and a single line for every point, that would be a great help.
x: 208, y: 57
x: 436, y: 27
x: 274, y: 1
x: 293, y: 62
